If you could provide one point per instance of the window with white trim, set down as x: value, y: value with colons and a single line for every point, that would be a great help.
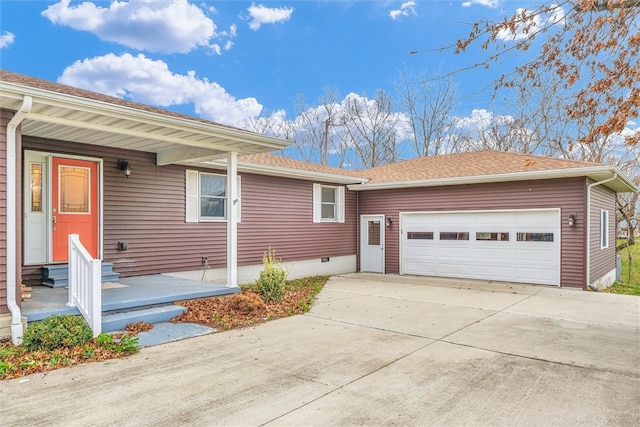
x: 604, y: 229
x: 328, y: 203
x: 207, y: 197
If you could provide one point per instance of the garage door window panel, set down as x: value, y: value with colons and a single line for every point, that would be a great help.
x: 494, y: 237
x: 420, y: 235
x: 535, y: 237
x: 448, y: 235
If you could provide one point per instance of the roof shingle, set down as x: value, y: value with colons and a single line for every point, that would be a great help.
x: 478, y: 163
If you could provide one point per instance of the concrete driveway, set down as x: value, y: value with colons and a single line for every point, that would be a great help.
x: 374, y: 350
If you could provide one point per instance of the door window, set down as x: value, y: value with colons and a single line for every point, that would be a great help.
x: 74, y: 190
x: 374, y: 233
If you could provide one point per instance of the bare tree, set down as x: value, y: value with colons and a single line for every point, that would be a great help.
x: 428, y: 102
x: 592, y: 49
x: 373, y: 129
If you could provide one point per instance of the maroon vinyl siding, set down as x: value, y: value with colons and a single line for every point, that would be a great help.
x: 602, y: 260
x: 567, y: 194
x: 147, y: 210
x: 5, y: 116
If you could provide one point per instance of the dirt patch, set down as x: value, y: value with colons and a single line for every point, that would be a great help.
x: 247, y: 308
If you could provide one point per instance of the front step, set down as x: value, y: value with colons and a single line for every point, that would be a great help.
x: 119, y: 321
x: 57, y: 275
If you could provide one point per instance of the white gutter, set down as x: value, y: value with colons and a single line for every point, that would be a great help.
x: 12, y: 294
x: 516, y: 176
x: 588, y: 263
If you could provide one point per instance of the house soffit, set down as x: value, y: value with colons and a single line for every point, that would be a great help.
x: 173, y: 139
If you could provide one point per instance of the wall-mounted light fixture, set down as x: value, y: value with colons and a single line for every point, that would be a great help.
x: 389, y: 221
x: 571, y: 220
x: 123, y: 165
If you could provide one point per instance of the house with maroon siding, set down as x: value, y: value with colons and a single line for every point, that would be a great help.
x: 151, y: 191
x: 495, y: 216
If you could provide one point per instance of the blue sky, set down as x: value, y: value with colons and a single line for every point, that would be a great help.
x: 228, y: 60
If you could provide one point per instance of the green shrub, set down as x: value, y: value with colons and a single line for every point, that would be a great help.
x: 273, y: 277
x: 126, y: 344
x: 57, y: 332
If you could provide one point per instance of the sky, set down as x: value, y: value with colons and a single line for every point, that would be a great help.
x: 229, y: 61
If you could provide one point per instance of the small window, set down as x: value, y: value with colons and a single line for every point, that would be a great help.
x: 373, y: 239
x: 492, y: 236
x: 535, y: 237
x: 604, y: 229
x: 454, y: 236
x: 36, y: 187
x: 207, y: 197
x: 420, y: 235
x: 328, y: 203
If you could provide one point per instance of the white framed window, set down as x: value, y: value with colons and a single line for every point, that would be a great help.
x: 206, y: 197
x: 604, y: 229
x: 328, y: 203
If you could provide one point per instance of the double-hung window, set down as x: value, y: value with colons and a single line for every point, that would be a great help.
x: 604, y: 229
x: 207, y: 196
x: 328, y: 203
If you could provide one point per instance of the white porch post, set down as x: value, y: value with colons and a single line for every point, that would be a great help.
x: 232, y: 219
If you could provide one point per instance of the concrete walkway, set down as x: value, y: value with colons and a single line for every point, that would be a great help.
x: 374, y: 350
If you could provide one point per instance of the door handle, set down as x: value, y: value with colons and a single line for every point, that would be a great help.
x: 53, y: 219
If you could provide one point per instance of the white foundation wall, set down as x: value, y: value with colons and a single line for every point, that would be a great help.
x: 605, y: 281
x: 249, y: 273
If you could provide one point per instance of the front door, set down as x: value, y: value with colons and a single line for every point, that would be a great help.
x: 74, y: 206
x: 372, y: 243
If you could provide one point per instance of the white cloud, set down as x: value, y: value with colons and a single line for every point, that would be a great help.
x: 6, y: 39
x: 261, y: 14
x: 157, y: 26
x: 479, y: 119
x: 406, y: 9
x: 143, y: 80
x: 531, y: 23
x: 488, y: 3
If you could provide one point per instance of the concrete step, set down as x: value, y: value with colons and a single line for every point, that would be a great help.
x: 118, y: 321
x: 62, y: 281
x: 57, y: 275
x: 163, y: 333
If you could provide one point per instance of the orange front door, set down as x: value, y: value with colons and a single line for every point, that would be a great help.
x: 74, y: 205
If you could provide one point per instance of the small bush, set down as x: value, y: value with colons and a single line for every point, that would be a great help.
x: 57, y: 332
x: 273, y: 277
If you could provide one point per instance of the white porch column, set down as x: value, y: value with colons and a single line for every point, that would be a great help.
x: 232, y: 219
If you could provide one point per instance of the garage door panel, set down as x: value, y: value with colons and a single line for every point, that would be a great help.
x: 535, y: 275
x: 494, y: 272
x: 536, y: 255
x: 493, y: 254
x: 457, y: 269
x: 454, y: 252
x: 503, y: 258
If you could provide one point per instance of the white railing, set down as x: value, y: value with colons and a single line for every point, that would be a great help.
x: 85, y: 284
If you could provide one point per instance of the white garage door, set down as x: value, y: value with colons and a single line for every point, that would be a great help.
x: 514, y: 246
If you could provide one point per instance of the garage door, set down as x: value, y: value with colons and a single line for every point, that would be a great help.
x: 514, y: 246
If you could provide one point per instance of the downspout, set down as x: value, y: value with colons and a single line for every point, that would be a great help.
x: 12, y: 295
x: 593, y: 184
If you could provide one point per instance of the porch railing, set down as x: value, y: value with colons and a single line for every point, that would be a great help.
x: 85, y: 284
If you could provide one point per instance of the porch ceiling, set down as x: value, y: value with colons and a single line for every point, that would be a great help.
x: 106, y: 122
